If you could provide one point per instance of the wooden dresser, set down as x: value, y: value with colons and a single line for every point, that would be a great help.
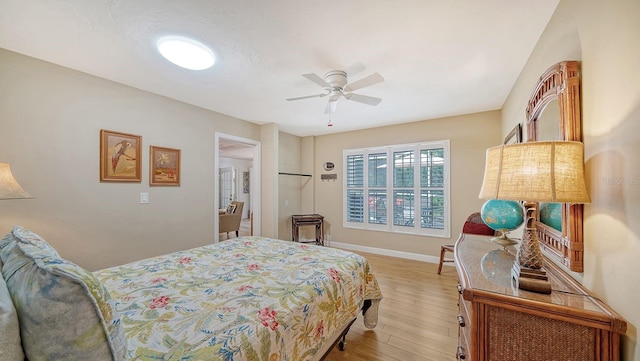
x: 499, y: 322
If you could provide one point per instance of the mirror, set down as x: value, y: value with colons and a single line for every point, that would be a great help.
x: 548, y: 123
x: 553, y: 113
x: 548, y: 128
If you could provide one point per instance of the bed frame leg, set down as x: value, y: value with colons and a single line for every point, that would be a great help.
x: 343, y: 341
x: 340, y: 341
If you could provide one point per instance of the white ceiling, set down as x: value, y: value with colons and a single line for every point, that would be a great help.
x: 438, y: 57
x: 229, y: 148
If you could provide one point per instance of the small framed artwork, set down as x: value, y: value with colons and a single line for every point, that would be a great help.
x: 120, y: 157
x: 245, y: 182
x: 164, y: 166
x: 514, y: 136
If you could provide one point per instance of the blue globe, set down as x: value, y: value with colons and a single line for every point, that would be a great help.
x: 501, y: 215
x: 551, y: 215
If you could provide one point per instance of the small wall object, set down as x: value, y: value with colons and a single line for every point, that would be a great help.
x: 120, y: 157
x: 164, y: 166
x: 328, y: 166
x: 327, y: 177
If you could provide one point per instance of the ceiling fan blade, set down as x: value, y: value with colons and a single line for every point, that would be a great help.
x: 316, y: 79
x: 331, y: 107
x: 309, y: 96
x: 363, y: 99
x: 372, y: 79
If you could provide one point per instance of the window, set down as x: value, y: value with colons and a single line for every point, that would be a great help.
x: 398, y: 188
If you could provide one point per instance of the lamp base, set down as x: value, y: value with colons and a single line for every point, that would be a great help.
x: 530, y: 279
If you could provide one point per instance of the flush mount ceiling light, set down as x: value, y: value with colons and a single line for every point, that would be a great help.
x: 186, y: 52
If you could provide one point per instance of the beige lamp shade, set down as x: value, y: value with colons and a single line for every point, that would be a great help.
x: 536, y: 171
x: 9, y: 187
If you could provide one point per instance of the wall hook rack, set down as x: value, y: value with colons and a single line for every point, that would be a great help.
x: 295, y: 174
x: 329, y: 177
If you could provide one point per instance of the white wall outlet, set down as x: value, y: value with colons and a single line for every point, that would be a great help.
x: 144, y: 198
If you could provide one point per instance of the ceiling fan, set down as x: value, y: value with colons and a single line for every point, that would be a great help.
x: 336, y: 86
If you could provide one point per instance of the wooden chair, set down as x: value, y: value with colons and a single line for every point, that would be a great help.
x: 473, y: 225
x: 443, y: 249
x: 230, y: 222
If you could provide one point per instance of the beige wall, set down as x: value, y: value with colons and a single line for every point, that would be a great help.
x: 295, y: 193
x: 307, y: 166
x: 604, y: 36
x: 469, y: 135
x: 269, y: 180
x: 289, y: 186
x: 50, y: 119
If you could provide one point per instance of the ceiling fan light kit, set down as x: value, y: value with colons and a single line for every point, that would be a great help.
x: 335, y: 84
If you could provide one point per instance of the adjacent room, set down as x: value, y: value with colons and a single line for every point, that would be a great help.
x: 313, y: 170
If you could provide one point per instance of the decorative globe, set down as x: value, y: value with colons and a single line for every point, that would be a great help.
x: 551, y: 215
x: 503, y: 216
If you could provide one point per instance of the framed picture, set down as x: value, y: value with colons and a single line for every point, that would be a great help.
x: 164, y: 166
x: 245, y: 182
x: 514, y: 136
x: 120, y: 157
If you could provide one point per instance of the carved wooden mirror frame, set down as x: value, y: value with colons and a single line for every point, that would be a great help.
x: 561, y: 82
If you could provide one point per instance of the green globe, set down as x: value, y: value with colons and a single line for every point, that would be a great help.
x: 501, y: 215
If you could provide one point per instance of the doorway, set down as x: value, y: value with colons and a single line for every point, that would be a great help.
x: 235, y: 160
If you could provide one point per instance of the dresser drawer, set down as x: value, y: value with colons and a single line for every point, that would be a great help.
x: 464, y: 329
x: 463, y: 349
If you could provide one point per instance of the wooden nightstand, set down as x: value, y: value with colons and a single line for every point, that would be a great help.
x: 316, y: 220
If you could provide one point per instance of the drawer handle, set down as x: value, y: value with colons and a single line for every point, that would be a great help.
x: 460, y: 320
x: 460, y: 355
x: 459, y: 289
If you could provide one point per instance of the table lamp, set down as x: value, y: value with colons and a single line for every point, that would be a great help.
x: 534, y: 172
x: 9, y: 187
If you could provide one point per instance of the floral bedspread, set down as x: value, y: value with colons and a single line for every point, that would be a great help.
x: 249, y: 298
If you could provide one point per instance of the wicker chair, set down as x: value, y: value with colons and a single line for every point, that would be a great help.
x: 473, y: 225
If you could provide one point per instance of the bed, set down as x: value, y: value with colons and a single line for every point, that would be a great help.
x: 249, y: 298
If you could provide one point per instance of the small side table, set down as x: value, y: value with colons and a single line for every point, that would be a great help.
x: 299, y: 220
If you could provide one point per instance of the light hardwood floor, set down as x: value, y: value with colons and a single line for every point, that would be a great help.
x: 417, y: 317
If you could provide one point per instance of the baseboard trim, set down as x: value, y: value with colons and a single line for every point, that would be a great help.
x: 384, y: 252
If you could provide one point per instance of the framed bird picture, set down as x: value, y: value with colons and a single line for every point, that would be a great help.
x: 120, y: 157
x: 164, y: 166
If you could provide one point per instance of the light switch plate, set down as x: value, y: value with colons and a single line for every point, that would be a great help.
x: 144, y: 198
